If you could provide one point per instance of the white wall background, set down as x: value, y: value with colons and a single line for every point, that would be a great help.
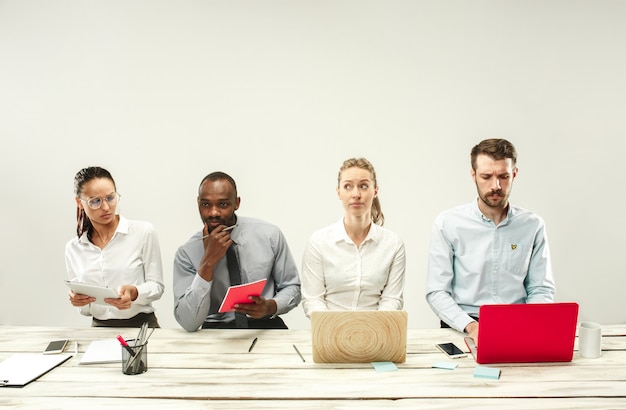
x: 278, y: 94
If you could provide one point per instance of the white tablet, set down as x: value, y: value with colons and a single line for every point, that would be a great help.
x: 96, y: 291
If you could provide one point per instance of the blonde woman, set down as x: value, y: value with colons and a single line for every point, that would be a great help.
x: 355, y: 263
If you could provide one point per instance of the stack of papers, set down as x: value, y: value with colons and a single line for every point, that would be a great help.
x: 102, y: 351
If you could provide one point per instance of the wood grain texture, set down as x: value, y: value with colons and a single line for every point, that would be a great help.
x: 359, y: 336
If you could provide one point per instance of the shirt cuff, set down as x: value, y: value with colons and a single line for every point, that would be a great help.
x: 463, y: 322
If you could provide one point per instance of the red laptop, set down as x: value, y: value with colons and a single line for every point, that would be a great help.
x: 525, y: 333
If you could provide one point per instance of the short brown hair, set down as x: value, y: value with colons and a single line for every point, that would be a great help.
x: 496, y: 148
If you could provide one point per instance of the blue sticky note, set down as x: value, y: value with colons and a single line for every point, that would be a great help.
x: 445, y: 365
x: 384, y: 366
x: 487, y: 372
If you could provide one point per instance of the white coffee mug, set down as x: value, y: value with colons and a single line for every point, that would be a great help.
x: 590, y: 340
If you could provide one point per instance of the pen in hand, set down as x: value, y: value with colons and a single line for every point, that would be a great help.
x: 299, y: 354
x: 253, y: 343
x: 228, y: 228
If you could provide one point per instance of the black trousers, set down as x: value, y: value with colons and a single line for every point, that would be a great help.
x: 444, y: 325
x: 276, y: 323
x: 135, y: 321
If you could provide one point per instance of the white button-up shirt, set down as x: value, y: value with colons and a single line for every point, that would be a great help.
x: 132, y: 257
x: 338, y: 275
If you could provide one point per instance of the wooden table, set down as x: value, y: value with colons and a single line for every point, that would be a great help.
x: 213, y: 369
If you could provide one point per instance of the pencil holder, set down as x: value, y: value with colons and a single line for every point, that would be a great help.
x: 134, y: 358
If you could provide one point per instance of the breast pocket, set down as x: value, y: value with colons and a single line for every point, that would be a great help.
x: 517, y: 259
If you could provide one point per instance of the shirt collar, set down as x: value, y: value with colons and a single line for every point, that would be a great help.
x: 122, y: 228
x: 235, y: 233
x: 340, y: 234
x: 477, y: 212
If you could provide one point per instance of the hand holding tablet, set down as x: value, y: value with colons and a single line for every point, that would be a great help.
x: 96, y: 291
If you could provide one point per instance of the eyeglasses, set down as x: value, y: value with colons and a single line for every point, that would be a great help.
x: 96, y: 202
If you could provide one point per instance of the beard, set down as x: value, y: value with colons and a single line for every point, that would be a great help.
x: 228, y: 221
x: 500, y: 202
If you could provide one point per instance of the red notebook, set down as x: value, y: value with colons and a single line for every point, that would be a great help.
x: 240, y: 293
x: 525, y: 333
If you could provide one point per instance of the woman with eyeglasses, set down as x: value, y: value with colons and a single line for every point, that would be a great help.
x: 110, y: 250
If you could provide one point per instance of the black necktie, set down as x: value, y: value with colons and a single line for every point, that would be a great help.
x: 235, y: 279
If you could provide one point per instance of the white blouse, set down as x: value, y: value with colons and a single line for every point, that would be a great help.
x: 338, y: 275
x: 132, y: 257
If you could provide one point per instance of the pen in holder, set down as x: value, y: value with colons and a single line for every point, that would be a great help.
x: 134, y: 358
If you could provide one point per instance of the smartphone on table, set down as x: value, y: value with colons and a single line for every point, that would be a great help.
x: 451, y: 350
x: 56, y: 346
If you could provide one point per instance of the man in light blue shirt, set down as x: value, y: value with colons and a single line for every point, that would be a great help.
x: 487, y: 251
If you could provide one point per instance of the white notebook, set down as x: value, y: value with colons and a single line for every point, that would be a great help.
x: 102, y: 351
x: 22, y: 368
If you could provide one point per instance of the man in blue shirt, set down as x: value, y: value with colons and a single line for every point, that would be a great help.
x: 203, y: 265
x: 487, y: 251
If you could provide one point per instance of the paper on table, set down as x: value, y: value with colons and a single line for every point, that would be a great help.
x: 487, y: 372
x: 240, y: 293
x: 445, y: 365
x: 102, y: 351
x: 22, y: 368
x: 385, y: 366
